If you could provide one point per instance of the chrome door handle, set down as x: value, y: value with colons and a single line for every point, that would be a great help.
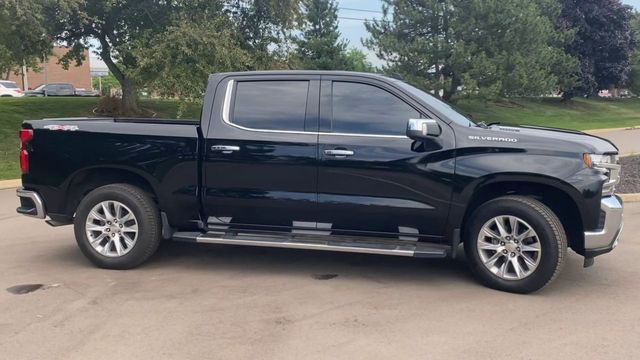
x: 225, y: 149
x: 339, y: 153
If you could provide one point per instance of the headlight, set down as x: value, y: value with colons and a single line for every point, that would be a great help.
x: 609, y: 166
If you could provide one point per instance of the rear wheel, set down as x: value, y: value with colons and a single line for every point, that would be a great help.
x: 515, y: 244
x: 117, y: 226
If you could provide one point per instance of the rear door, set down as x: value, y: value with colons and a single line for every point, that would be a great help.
x: 66, y: 90
x: 373, y: 180
x: 261, y: 153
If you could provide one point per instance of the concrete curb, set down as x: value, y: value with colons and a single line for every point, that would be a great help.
x: 629, y: 198
x: 10, y: 184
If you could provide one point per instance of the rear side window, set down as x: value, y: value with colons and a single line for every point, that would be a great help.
x: 367, y: 109
x: 9, y: 84
x: 271, y: 105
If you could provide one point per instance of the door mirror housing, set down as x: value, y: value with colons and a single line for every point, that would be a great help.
x: 418, y: 129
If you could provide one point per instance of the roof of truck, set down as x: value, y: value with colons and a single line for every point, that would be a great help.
x: 308, y: 72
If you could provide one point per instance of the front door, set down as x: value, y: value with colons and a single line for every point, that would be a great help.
x: 372, y: 179
x: 260, y: 163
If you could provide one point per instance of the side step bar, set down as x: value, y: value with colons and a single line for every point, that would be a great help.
x: 361, y: 245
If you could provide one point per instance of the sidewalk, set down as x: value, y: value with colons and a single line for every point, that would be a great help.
x: 628, y: 141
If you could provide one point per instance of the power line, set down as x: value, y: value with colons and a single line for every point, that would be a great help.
x: 352, y: 18
x: 360, y: 19
x: 361, y: 10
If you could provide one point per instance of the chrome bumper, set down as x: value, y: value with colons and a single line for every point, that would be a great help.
x: 603, y: 241
x: 30, y: 204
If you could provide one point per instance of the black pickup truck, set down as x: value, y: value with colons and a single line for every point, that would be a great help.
x: 334, y: 161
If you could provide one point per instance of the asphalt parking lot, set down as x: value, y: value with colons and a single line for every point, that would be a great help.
x: 223, y: 302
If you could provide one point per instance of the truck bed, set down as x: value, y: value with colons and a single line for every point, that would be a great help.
x: 70, y: 156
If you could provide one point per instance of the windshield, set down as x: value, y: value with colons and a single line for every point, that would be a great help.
x: 436, y: 104
x: 40, y: 87
x: 9, y: 84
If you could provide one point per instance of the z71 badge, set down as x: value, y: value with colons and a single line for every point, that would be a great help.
x: 62, y: 127
x: 492, y: 138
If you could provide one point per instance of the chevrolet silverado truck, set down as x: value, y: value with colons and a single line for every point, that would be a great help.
x: 334, y: 161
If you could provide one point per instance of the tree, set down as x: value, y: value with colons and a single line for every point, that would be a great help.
x: 356, y: 60
x: 319, y: 46
x: 120, y: 27
x: 26, y: 38
x: 198, y: 43
x: 488, y: 48
x: 603, y: 43
x: 264, y: 26
x: 634, y: 75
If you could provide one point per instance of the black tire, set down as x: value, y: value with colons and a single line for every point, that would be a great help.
x: 553, y: 242
x: 147, y: 216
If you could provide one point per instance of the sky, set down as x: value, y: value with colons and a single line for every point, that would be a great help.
x: 353, y: 30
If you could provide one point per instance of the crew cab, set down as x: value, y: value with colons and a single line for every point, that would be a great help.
x: 326, y: 160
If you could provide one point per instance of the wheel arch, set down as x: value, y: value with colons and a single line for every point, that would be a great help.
x: 84, y: 181
x: 558, y: 196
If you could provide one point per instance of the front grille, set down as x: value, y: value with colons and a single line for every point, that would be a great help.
x: 612, y: 171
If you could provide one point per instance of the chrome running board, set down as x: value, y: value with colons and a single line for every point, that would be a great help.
x: 323, y: 243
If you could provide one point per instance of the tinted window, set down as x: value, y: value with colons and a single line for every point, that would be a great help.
x: 366, y: 109
x: 271, y: 105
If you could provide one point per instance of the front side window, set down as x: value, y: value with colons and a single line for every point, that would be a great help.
x: 271, y: 105
x: 367, y: 109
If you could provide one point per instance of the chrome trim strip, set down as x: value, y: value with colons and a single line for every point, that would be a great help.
x: 226, y: 114
x: 37, y: 201
x: 302, y: 245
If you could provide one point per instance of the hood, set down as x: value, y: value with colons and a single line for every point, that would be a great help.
x: 532, y: 138
x: 556, y: 137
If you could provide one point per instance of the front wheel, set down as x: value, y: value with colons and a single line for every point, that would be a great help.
x: 515, y: 244
x: 117, y: 226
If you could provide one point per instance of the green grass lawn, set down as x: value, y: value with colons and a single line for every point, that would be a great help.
x: 579, y: 114
x: 14, y: 111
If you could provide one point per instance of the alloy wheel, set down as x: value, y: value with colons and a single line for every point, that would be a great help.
x: 509, y: 247
x: 112, y: 228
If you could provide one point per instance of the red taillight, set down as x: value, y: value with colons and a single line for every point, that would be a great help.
x: 24, y: 161
x: 19, y: 91
x: 26, y: 135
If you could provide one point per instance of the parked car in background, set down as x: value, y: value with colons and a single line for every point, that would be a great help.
x: 10, y: 89
x: 52, y: 89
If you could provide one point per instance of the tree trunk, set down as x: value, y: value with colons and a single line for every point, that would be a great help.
x: 129, y: 90
x: 129, y: 98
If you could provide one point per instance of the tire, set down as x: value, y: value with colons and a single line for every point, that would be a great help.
x: 520, y: 275
x: 137, y: 237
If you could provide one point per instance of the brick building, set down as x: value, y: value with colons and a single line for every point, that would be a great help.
x: 51, y: 72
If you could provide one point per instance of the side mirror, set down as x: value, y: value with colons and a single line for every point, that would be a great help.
x: 418, y: 129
